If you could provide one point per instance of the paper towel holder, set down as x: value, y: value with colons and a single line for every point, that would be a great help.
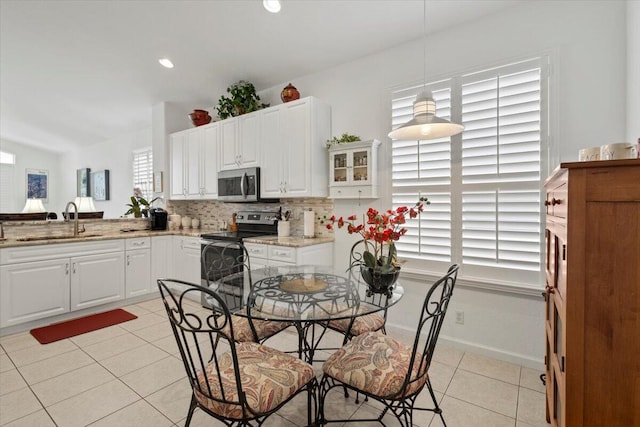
x: 309, y: 224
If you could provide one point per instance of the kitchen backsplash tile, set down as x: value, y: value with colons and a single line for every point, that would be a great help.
x: 212, y: 213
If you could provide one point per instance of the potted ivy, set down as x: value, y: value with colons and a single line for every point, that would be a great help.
x: 344, y: 139
x: 243, y: 99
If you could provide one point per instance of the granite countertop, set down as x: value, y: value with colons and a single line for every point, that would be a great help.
x: 90, y: 236
x: 292, y: 241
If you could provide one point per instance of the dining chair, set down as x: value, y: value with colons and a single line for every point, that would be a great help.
x: 237, y: 383
x: 357, y: 325
x: 387, y: 370
x: 227, y: 269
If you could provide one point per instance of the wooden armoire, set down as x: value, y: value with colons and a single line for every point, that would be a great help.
x: 593, y: 294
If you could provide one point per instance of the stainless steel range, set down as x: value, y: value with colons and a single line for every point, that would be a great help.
x: 250, y: 224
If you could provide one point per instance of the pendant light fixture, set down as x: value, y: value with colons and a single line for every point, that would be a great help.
x: 425, y: 124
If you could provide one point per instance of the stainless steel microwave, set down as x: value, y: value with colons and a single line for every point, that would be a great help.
x: 240, y: 186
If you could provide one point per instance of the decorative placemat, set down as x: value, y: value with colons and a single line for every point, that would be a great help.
x: 304, y: 285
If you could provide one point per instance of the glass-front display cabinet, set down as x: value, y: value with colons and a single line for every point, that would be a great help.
x: 353, y: 170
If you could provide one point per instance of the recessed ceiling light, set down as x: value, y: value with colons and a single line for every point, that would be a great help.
x: 166, y: 62
x: 272, y: 6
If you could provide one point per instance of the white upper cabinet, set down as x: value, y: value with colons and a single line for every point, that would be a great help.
x: 286, y: 141
x: 195, y: 162
x: 177, y: 146
x: 354, y: 170
x: 293, y: 155
x: 210, y: 161
x: 240, y: 137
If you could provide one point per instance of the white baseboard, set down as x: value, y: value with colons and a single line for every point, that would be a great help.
x: 518, y: 359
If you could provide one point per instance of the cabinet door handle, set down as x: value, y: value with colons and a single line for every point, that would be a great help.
x: 547, y: 203
x: 128, y: 259
x: 555, y: 201
x: 544, y: 295
x: 66, y: 269
x: 562, y: 364
x: 74, y: 268
x: 564, y: 252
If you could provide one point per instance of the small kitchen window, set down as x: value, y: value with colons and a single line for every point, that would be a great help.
x: 143, y: 171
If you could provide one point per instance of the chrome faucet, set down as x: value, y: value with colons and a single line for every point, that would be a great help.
x: 75, y: 217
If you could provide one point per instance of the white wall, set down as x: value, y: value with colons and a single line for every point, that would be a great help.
x: 633, y: 71
x: 114, y: 155
x: 28, y: 157
x: 588, y: 89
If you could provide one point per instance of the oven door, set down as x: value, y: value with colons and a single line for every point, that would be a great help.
x: 231, y: 291
x: 241, y: 185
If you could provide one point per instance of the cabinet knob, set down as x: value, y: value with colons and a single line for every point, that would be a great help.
x: 555, y: 201
x: 547, y: 203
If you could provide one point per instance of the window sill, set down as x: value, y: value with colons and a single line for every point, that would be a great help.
x: 475, y: 283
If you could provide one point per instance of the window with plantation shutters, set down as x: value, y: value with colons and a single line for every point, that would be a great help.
x: 143, y: 171
x: 484, y: 185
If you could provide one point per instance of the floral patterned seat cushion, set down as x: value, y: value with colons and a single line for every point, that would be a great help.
x: 264, y: 328
x: 361, y: 324
x: 268, y: 377
x: 377, y: 364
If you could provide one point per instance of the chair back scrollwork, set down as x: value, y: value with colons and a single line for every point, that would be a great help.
x: 432, y: 316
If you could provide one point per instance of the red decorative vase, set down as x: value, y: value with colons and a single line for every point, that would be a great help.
x: 200, y: 117
x: 289, y: 93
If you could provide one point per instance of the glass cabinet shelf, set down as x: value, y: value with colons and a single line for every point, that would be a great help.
x: 353, y: 170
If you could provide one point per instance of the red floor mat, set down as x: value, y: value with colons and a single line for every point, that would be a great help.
x: 81, y: 325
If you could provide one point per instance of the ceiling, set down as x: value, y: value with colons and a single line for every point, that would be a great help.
x: 74, y: 73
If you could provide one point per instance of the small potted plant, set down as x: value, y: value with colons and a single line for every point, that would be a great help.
x: 139, y: 206
x: 243, y: 99
x: 344, y: 139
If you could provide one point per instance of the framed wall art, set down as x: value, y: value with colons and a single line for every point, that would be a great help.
x: 38, y: 184
x: 82, y: 179
x: 100, y: 185
x: 157, y: 182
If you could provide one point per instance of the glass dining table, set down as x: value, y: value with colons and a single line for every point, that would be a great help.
x: 307, y: 296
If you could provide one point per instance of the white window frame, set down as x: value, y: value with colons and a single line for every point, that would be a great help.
x: 141, y: 179
x: 7, y: 181
x: 493, y: 276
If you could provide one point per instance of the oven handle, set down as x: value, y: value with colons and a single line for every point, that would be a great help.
x: 242, y: 187
x: 204, y: 242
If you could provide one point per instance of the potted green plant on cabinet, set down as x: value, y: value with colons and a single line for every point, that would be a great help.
x: 243, y: 99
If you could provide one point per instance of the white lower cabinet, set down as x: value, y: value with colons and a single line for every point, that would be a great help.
x: 264, y: 255
x: 33, y: 290
x: 186, y: 251
x: 96, y: 279
x: 43, y: 281
x: 161, y: 259
x: 138, y: 267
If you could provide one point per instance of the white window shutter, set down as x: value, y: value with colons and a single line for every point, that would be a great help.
x: 143, y: 171
x: 485, y: 209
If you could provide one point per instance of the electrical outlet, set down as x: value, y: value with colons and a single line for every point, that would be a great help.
x: 460, y: 317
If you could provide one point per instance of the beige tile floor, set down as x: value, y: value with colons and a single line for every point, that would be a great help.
x: 131, y: 375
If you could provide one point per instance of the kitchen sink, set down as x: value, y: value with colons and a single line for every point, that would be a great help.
x: 79, y: 236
